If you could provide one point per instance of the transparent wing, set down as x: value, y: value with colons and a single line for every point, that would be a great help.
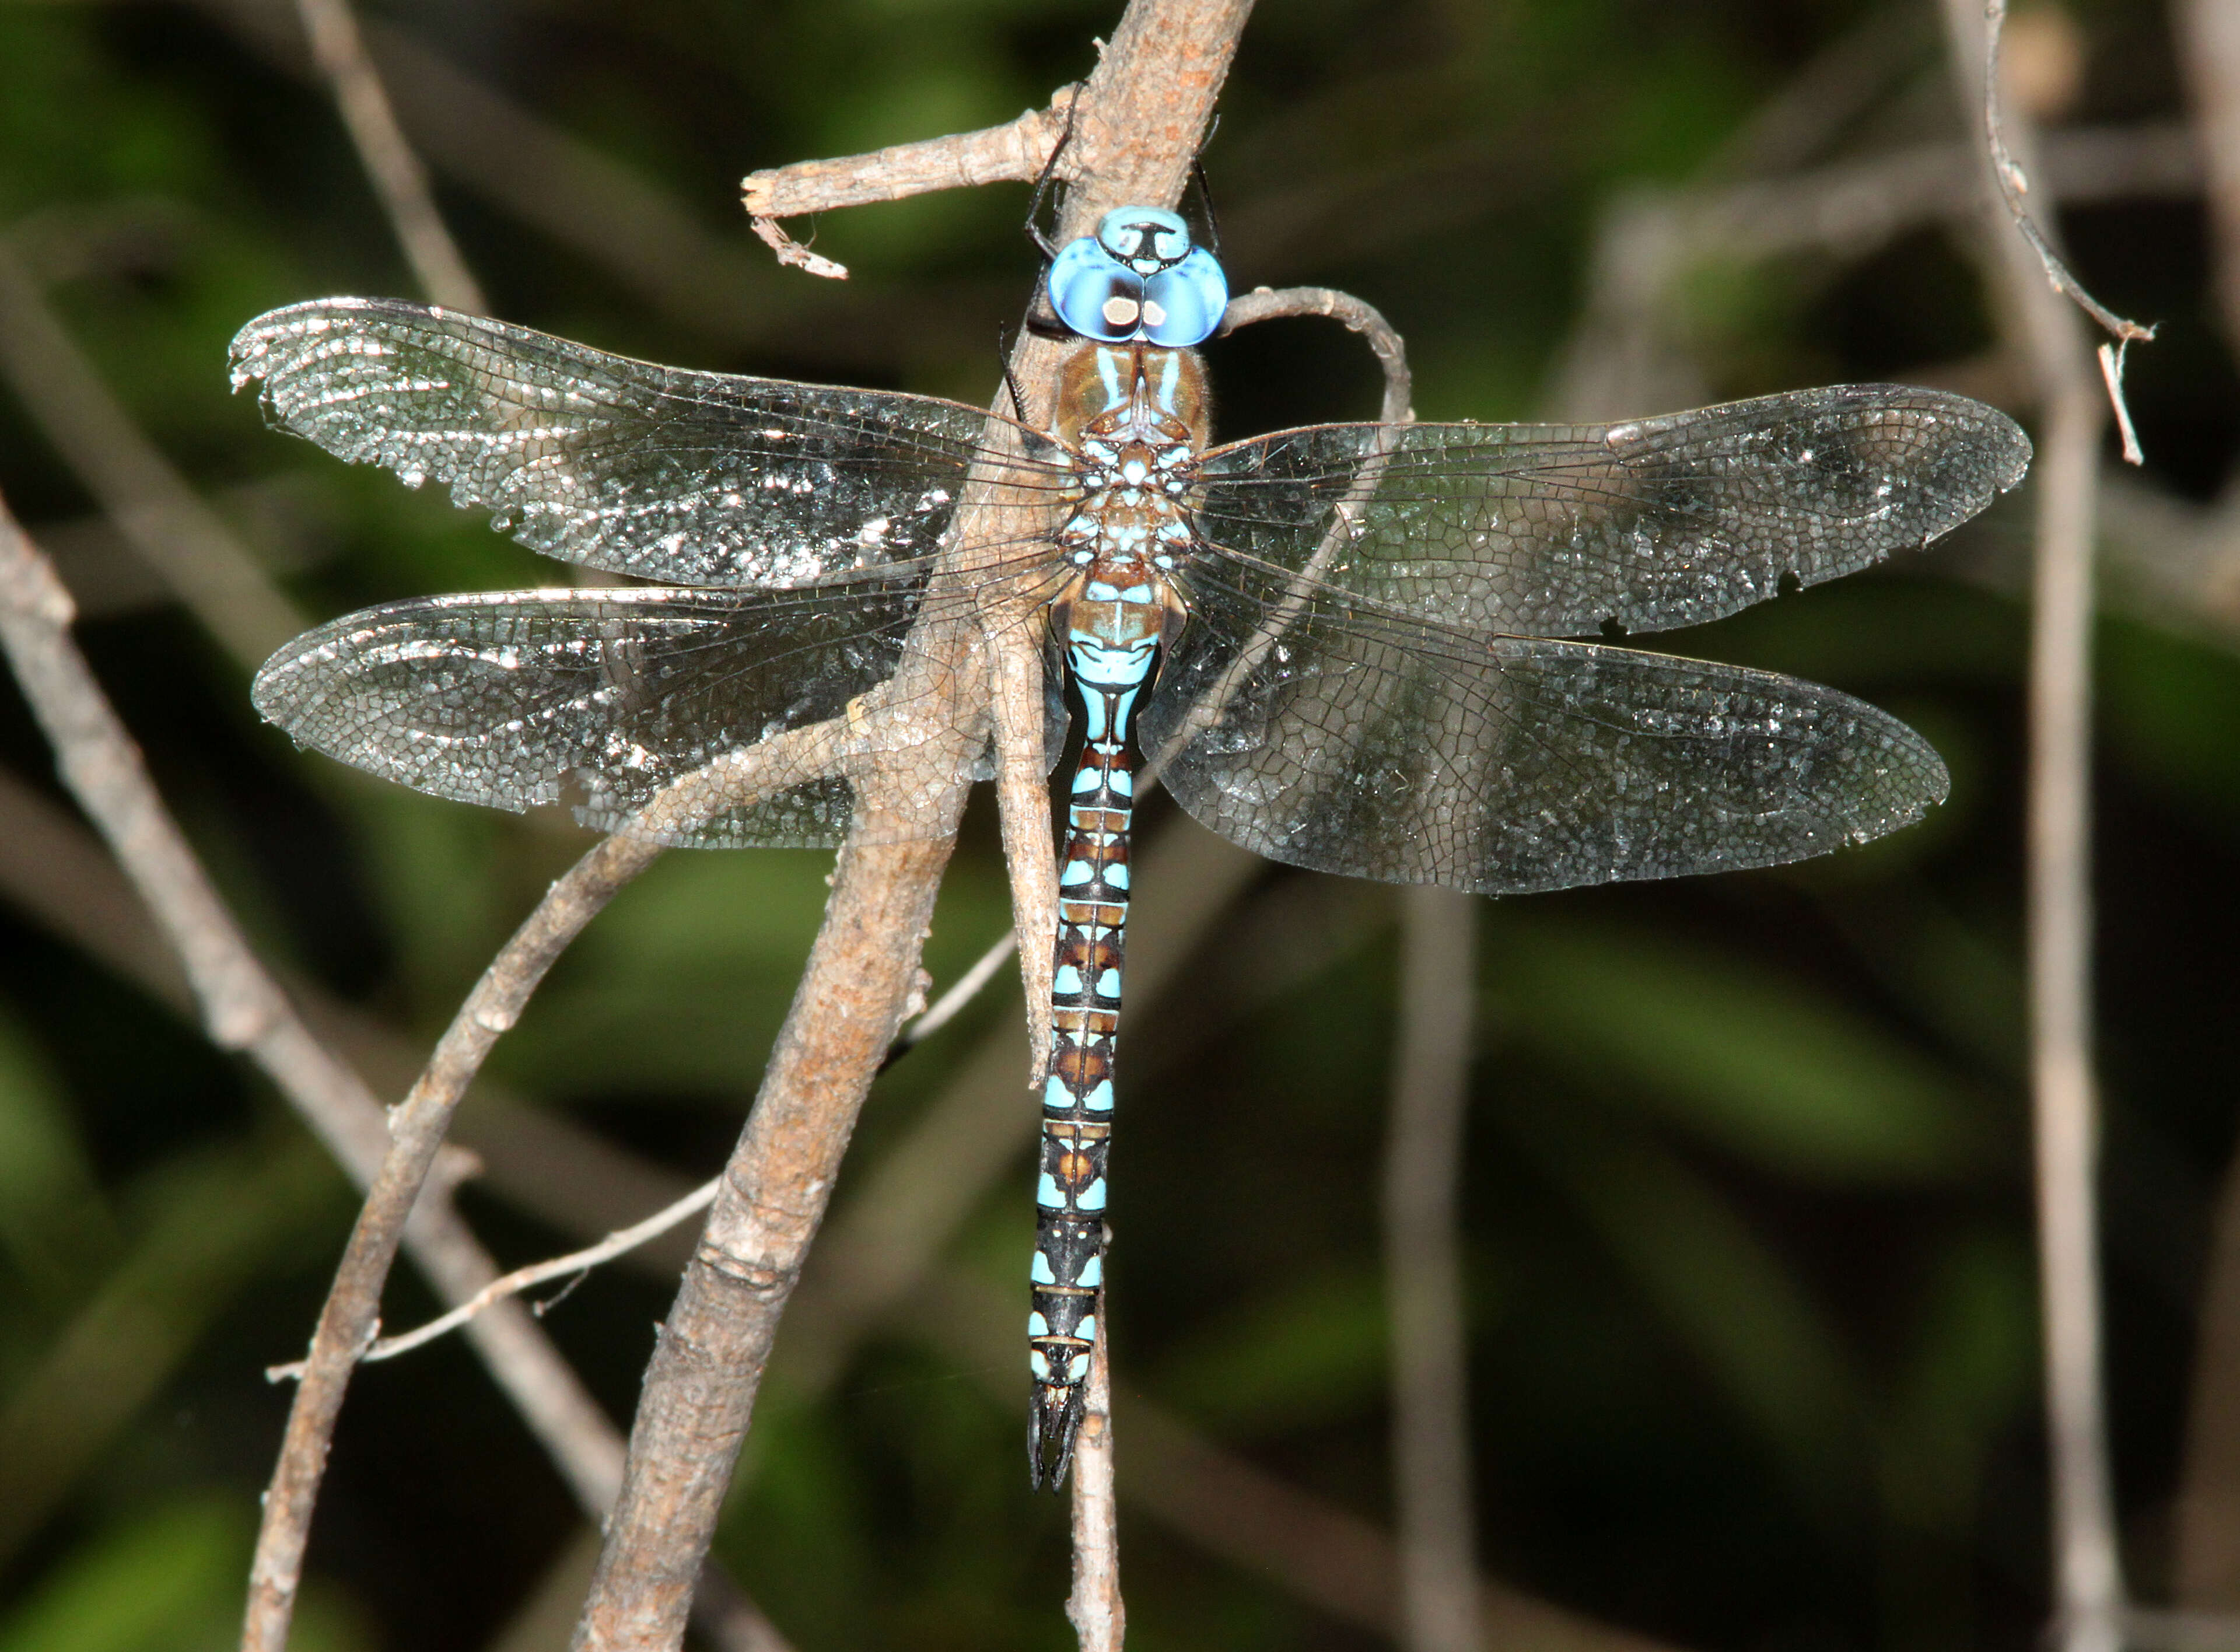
x: 596, y: 699
x: 682, y: 477
x: 1352, y: 740
x: 1553, y: 530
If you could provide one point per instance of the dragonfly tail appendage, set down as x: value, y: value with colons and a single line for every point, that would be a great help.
x: 1069, y: 1264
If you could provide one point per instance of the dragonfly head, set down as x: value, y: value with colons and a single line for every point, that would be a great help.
x: 1138, y: 277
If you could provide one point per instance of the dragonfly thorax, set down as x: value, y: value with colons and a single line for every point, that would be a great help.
x: 1132, y: 418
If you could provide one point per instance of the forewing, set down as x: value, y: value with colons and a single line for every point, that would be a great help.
x: 1354, y: 741
x: 596, y: 699
x: 1557, y: 530
x: 682, y: 477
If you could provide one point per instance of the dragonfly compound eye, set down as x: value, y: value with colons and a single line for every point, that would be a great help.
x: 1138, y: 277
x: 1146, y: 239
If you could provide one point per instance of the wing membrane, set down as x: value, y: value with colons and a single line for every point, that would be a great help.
x: 1358, y: 742
x: 1553, y: 530
x: 682, y: 477
x: 595, y: 699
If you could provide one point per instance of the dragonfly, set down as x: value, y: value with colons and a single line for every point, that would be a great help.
x: 1378, y: 649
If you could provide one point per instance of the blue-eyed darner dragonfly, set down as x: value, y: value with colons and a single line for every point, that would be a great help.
x: 1344, y: 646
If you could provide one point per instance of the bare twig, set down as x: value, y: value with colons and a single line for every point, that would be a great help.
x: 1144, y: 111
x: 1423, y: 1275
x: 2013, y: 183
x: 416, y: 1127
x: 1094, y: 1608
x: 2088, y: 1569
x: 195, y: 552
x: 951, y: 1003
x: 244, y: 1010
x: 615, y: 218
x: 1621, y: 355
x: 794, y: 256
x: 915, y: 1199
x: 1016, y: 152
x: 394, y: 170
x: 521, y: 1279
x: 1422, y: 1271
x: 1384, y: 340
x: 1266, y: 304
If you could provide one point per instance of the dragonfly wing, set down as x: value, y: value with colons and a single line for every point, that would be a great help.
x: 1352, y: 740
x: 1555, y: 531
x: 681, y: 477
x: 596, y: 699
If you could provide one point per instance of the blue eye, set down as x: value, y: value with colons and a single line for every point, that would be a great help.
x: 1146, y: 239
x: 1181, y: 306
x: 1094, y: 295
x: 1138, y: 277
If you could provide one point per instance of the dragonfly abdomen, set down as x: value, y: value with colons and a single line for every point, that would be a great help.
x: 1135, y: 416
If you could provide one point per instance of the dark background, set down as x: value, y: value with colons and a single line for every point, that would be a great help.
x: 1747, y: 1202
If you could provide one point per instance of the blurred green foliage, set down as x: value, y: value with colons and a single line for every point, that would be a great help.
x: 1746, y: 1196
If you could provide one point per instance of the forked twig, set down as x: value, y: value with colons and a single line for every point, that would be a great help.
x: 347, y: 1320
x: 521, y: 1279
x: 243, y: 1009
x: 1017, y: 151
x: 1155, y: 84
x: 952, y: 1002
x: 2013, y: 183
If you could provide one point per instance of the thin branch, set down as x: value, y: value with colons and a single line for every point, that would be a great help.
x: 167, y: 524
x: 1144, y: 111
x: 347, y: 1320
x: 953, y: 1004
x: 617, y: 219
x: 1423, y: 1275
x: 1431, y: 1454
x: 1266, y: 304
x: 244, y: 1010
x: 1623, y: 353
x: 1094, y: 1608
x: 521, y: 1279
x: 395, y: 172
x: 2013, y: 183
x: 915, y: 1200
x: 1016, y: 152
x: 1339, y: 534
x: 2088, y: 1566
